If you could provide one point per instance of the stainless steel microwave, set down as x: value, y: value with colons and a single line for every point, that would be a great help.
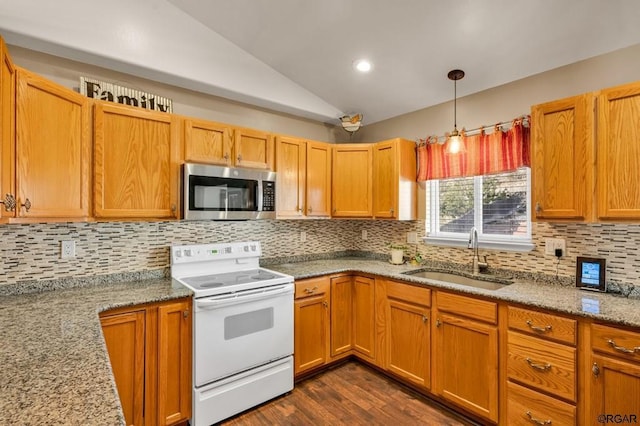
x: 226, y: 193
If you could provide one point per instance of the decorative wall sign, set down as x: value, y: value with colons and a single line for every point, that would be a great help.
x: 105, y: 91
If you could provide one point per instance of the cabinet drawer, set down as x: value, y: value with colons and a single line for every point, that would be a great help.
x: 414, y: 294
x: 312, y: 287
x: 615, y: 341
x: 525, y: 406
x: 542, y: 324
x: 548, y: 366
x: 468, y: 306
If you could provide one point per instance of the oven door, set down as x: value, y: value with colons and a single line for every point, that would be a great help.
x: 239, y: 331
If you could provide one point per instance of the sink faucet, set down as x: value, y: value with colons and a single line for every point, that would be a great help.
x: 476, y: 265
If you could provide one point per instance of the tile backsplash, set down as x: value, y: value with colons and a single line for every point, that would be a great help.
x: 31, y: 252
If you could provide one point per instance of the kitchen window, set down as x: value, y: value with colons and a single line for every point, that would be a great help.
x: 498, y: 205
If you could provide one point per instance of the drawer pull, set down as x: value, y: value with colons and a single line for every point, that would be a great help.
x: 537, y: 421
x: 538, y: 329
x: 311, y: 290
x: 538, y: 366
x: 622, y: 348
x: 595, y: 369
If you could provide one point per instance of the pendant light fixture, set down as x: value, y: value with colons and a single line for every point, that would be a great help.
x: 454, y: 141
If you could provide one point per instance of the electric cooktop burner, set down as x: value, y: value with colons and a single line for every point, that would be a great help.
x: 228, y: 279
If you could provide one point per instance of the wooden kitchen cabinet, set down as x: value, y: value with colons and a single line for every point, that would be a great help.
x: 253, y: 149
x: 52, y: 151
x: 613, y: 379
x: 136, y: 163
x: 562, y: 146
x: 618, y: 153
x: 7, y: 129
x: 363, y: 317
x: 341, y: 315
x: 406, y: 335
x: 394, y: 179
x: 304, y: 178
x: 150, y: 350
x: 465, y: 339
x: 207, y: 142
x: 311, y: 324
x: 352, y: 190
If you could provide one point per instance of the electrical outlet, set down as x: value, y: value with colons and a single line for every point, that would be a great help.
x: 553, y: 244
x: 303, y: 236
x: 67, y: 249
x: 412, y: 238
x: 364, y: 234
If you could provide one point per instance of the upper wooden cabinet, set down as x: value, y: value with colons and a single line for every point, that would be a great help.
x: 304, y: 178
x: 7, y: 129
x: 136, y: 163
x: 352, y: 190
x: 52, y: 151
x: 562, y: 172
x: 394, y: 179
x: 618, y: 153
x: 253, y: 149
x: 208, y: 142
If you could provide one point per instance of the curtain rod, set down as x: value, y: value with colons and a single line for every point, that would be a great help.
x: 526, y: 120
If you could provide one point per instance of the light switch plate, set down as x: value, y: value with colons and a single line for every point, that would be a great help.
x: 412, y: 238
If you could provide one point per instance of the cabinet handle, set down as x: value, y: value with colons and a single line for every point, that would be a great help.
x: 391, y: 211
x: 9, y: 202
x: 226, y: 157
x: 538, y: 329
x: 173, y: 208
x: 537, y: 421
x: 538, y: 366
x: 239, y: 158
x: 438, y: 323
x: 325, y: 304
x: 185, y: 314
x: 424, y: 319
x: 26, y: 205
x: 622, y: 348
x: 310, y: 290
x: 595, y: 369
x: 538, y: 209
x: 310, y: 210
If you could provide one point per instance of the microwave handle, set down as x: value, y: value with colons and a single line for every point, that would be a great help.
x: 221, y: 301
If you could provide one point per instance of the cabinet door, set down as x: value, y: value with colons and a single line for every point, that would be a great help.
x: 615, y: 388
x: 562, y: 173
x: 466, y: 364
x: 311, y: 320
x: 352, y: 180
x: 253, y: 149
x: 174, y: 362
x: 136, y: 162
x: 291, y: 157
x: 53, y: 149
x: 7, y: 128
x: 207, y: 142
x: 341, y: 315
x: 318, y: 190
x: 364, y: 316
x: 409, y: 340
x: 125, y: 340
x: 385, y: 180
x: 619, y: 153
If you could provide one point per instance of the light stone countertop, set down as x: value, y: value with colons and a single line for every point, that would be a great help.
x: 55, y: 367
x: 560, y: 298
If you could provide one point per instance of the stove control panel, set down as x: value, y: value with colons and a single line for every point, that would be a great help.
x: 209, y: 252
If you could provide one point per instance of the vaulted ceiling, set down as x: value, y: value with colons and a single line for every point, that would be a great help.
x: 297, y: 56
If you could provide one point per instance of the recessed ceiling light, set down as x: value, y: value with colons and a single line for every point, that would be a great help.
x: 362, y: 65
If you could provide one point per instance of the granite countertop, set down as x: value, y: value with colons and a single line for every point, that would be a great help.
x: 55, y: 365
x: 555, y: 297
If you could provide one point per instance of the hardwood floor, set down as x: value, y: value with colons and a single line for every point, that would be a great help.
x: 349, y: 394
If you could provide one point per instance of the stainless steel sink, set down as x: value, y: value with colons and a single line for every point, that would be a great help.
x: 487, y: 282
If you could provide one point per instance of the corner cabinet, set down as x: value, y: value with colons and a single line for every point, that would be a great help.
x: 136, y: 163
x: 150, y: 350
x: 618, y: 153
x: 394, y: 180
x: 352, y: 190
x: 52, y: 151
x: 562, y: 172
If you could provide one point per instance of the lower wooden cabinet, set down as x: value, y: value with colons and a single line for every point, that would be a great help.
x: 150, y: 352
x: 528, y: 407
x: 363, y: 317
x: 311, y: 324
x: 341, y: 315
x: 466, y: 353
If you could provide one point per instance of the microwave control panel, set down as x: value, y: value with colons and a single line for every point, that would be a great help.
x: 268, y: 196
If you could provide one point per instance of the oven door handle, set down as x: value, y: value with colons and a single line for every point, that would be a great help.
x: 227, y: 300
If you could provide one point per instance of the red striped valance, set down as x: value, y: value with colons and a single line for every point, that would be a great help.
x: 484, y: 154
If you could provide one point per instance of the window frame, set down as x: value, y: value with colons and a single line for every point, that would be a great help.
x: 487, y: 241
